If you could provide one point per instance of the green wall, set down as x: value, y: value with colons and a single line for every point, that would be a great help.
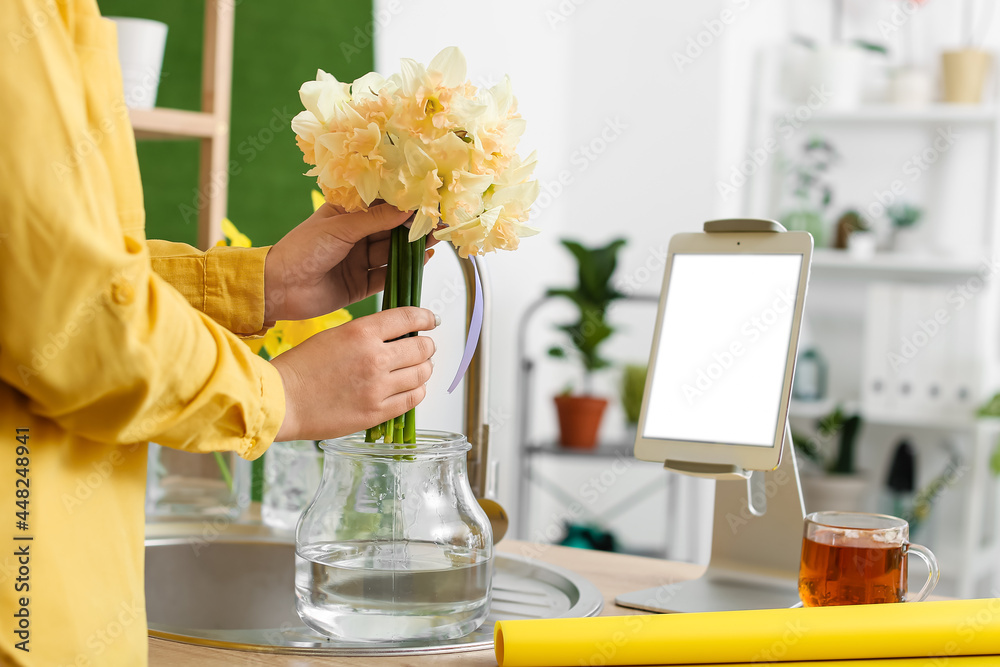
x: 278, y: 46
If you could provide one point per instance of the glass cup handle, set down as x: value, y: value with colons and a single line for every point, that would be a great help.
x: 933, y: 573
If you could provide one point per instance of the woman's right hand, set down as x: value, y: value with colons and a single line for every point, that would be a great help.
x: 357, y: 375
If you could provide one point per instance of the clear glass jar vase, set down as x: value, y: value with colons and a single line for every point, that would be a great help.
x: 184, y: 485
x: 292, y: 472
x: 394, y: 546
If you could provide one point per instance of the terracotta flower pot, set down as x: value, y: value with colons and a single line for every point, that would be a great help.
x: 963, y: 75
x: 579, y: 420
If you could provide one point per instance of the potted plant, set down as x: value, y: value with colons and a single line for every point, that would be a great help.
x: 580, y: 414
x: 963, y: 70
x: 632, y: 387
x: 911, y: 84
x: 835, y: 483
x: 855, y: 236
x: 837, y: 67
x: 811, y: 192
x: 905, y: 235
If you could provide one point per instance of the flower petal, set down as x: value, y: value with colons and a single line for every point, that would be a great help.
x: 451, y: 64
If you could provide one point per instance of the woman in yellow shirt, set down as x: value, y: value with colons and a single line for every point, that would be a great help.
x: 108, y: 340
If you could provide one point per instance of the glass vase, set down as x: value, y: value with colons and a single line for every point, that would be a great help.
x: 189, y: 485
x: 394, y: 546
x: 292, y: 473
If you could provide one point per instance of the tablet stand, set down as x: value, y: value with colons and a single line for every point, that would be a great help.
x: 757, y: 525
x: 755, y: 559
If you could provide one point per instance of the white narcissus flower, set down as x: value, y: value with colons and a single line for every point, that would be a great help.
x: 424, y: 140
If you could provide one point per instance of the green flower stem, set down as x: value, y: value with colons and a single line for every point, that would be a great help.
x: 404, y: 279
x: 224, y: 469
x: 417, y: 249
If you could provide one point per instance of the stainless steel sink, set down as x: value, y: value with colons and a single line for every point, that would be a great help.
x: 233, y: 588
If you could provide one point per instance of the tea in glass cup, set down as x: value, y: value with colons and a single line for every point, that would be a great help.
x: 856, y: 558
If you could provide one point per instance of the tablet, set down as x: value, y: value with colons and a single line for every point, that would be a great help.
x: 724, y: 347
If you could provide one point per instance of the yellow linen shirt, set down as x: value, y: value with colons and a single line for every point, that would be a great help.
x: 100, y: 347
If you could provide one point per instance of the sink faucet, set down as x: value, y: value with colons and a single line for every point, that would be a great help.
x: 476, y: 386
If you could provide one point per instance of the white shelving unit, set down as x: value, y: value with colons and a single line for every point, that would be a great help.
x: 970, y: 556
x: 210, y: 125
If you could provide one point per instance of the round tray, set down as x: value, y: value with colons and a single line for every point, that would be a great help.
x: 234, y: 590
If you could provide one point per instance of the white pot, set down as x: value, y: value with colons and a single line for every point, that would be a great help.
x: 141, y: 43
x: 839, y: 72
x: 842, y: 493
x: 862, y: 245
x: 911, y: 87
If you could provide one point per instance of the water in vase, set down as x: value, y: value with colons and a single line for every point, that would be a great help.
x: 386, y: 591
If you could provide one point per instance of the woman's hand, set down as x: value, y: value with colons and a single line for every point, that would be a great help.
x: 354, y: 376
x: 329, y: 261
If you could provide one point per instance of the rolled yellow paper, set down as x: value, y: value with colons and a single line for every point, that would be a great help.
x: 923, y: 629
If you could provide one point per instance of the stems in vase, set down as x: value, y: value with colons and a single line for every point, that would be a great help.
x: 417, y: 249
x: 403, y: 281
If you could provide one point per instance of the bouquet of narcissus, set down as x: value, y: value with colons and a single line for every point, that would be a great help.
x: 424, y: 140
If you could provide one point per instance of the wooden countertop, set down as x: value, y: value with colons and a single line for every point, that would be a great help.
x: 612, y: 574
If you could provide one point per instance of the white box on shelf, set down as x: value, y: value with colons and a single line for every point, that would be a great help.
x: 880, y: 329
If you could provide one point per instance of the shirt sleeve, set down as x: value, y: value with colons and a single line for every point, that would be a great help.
x: 89, y: 333
x: 227, y: 284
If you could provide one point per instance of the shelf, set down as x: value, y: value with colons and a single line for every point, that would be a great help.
x: 601, y: 451
x: 893, y: 267
x: 174, y: 124
x: 957, y: 422
x: 811, y: 409
x: 885, y: 113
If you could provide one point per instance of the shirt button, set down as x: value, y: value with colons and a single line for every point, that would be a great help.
x: 253, y: 442
x: 122, y: 293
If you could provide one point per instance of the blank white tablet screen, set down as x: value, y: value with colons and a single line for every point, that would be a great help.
x: 723, y: 346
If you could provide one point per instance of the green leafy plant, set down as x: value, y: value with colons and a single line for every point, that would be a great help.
x: 632, y: 388
x: 592, y: 295
x: 836, y: 425
x: 811, y: 192
x: 904, y: 216
x: 924, y: 501
x: 992, y: 409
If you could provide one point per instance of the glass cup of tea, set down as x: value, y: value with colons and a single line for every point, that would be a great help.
x: 857, y: 558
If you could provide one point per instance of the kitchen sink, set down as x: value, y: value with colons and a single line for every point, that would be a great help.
x: 232, y: 587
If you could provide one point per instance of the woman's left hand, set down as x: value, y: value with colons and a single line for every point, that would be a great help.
x: 331, y: 260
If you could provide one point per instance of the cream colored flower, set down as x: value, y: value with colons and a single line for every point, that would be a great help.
x: 424, y: 140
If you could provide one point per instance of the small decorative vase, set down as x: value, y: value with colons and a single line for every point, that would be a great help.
x: 141, y: 44
x: 579, y: 420
x: 838, y: 69
x: 188, y: 485
x: 394, y: 546
x: 292, y: 472
x: 862, y: 245
x: 963, y: 75
x: 911, y: 87
x: 806, y: 220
